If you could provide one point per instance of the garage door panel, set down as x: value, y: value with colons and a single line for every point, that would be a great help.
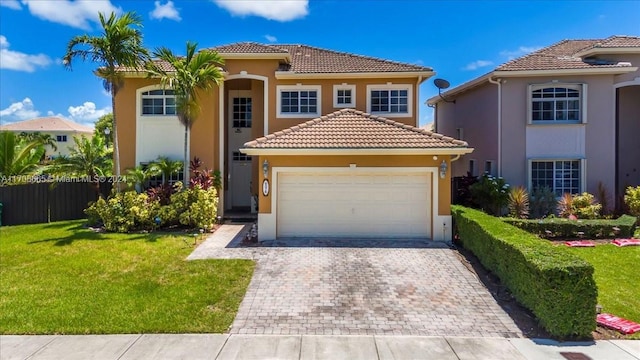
x: 361, y: 205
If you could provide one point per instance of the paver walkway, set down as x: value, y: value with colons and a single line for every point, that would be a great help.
x: 362, y: 291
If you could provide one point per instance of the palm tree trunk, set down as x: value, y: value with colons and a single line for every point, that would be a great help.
x: 116, y: 149
x: 185, y: 167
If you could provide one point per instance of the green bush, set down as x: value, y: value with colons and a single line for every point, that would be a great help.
x: 490, y: 194
x: 129, y: 211
x: 124, y: 212
x: 543, y: 202
x: 632, y: 200
x: 585, y: 206
x: 622, y: 227
x: 555, y: 285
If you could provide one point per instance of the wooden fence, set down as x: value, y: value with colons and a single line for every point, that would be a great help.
x: 46, y: 202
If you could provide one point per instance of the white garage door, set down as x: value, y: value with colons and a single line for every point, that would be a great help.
x: 354, y: 205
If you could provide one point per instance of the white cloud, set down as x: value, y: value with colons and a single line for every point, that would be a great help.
x: 522, y: 50
x: 271, y: 38
x: 87, y: 112
x: 478, y: 64
x: 77, y: 14
x: 279, y: 10
x: 17, y: 111
x: 14, y: 60
x: 11, y: 4
x: 167, y: 11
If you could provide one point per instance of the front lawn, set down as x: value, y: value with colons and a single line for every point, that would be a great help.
x: 62, y: 278
x: 617, y: 277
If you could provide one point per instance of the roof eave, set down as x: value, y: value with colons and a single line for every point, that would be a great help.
x: 590, y: 71
x: 460, y: 88
x: 352, y: 151
x: 284, y: 75
x: 609, y: 50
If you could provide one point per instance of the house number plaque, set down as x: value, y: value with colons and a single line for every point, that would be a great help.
x: 265, y: 187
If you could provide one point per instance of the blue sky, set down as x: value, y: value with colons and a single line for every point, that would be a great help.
x: 459, y: 39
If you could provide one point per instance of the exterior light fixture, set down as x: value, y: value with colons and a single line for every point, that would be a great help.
x: 443, y: 169
x: 265, y: 168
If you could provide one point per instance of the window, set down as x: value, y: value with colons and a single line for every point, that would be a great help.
x: 238, y: 156
x: 298, y: 101
x: 241, y: 112
x: 158, y: 102
x: 344, y: 96
x: 556, y: 103
x: 488, y: 167
x: 460, y: 133
x: 472, y: 167
x: 157, y: 180
x: 561, y: 176
x: 389, y: 100
x: 61, y: 138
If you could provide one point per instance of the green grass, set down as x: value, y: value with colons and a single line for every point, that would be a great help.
x: 617, y: 275
x: 62, y: 278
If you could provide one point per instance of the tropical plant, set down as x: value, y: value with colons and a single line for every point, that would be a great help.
x: 519, y: 202
x: 104, y: 128
x: 88, y: 158
x: 585, y: 206
x: 137, y: 178
x: 542, y: 202
x: 165, y: 167
x: 118, y: 48
x: 632, y: 200
x: 190, y: 75
x: 603, y: 198
x: 565, y: 205
x: 463, y: 194
x: 204, y: 178
x: 44, y: 139
x: 17, y: 156
x: 490, y: 194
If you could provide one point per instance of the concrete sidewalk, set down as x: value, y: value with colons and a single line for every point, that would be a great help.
x: 225, y: 346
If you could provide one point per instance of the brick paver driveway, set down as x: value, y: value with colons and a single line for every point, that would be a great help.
x: 339, y: 290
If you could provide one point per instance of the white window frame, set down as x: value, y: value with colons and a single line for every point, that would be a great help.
x: 298, y: 87
x: 582, y: 88
x: 351, y: 88
x: 582, y: 169
x: 386, y: 87
x: 164, y: 98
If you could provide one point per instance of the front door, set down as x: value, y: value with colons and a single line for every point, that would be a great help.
x: 240, y: 119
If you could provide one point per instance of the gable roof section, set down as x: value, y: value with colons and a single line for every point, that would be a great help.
x: 43, y: 124
x: 350, y: 129
x: 565, y: 56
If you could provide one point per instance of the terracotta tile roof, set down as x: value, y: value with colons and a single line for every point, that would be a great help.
x: 353, y: 129
x: 248, y: 48
x: 565, y: 55
x: 309, y: 59
x: 43, y: 124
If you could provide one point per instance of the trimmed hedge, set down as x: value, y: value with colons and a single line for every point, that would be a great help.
x: 565, y: 228
x: 555, y: 285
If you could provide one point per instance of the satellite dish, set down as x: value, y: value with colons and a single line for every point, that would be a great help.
x: 441, y: 84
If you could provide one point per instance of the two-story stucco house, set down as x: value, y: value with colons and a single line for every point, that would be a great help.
x: 566, y: 116
x: 60, y: 129
x: 326, y: 141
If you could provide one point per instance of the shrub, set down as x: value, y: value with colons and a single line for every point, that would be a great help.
x: 194, y: 207
x: 204, y: 178
x: 632, y: 200
x: 565, y: 205
x: 490, y: 194
x: 542, y: 203
x: 623, y: 227
x: 555, y: 285
x: 519, y: 203
x: 463, y: 193
x: 603, y: 199
x: 125, y: 212
x: 585, y: 206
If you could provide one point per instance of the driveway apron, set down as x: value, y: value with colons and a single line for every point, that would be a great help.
x: 358, y: 291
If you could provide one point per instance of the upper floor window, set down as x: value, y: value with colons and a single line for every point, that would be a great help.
x: 298, y: 101
x: 389, y: 100
x: 61, y: 138
x: 158, y: 102
x: 557, y: 103
x: 344, y: 96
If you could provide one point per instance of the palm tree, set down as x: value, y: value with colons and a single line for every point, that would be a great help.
x: 44, y: 139
x: 192, y: 74
x: 19, y: 156
x: 163, y: 165
x: 117, y: 49
x: 138, y: 176
x: 89, y: 158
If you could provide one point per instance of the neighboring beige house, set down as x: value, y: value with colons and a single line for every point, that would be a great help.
x: 326, y: 141
x: 566, y: 116
x: 62, y: 130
